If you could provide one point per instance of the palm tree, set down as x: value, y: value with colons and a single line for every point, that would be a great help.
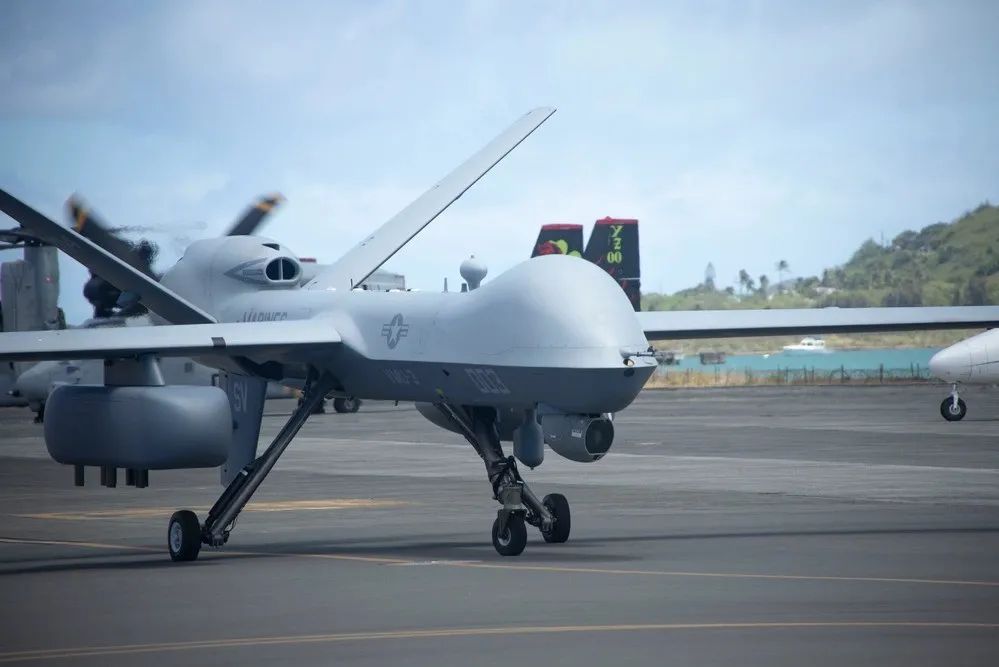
x: 764, y: 284
x: 782, y: 267
x: 744, y: 280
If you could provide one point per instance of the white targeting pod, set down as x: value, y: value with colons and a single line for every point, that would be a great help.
x: 473, y: 271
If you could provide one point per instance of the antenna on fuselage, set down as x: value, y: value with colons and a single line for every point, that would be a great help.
x: 473, y: 271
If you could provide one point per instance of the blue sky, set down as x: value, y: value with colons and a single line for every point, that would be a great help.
x: 738, y: 133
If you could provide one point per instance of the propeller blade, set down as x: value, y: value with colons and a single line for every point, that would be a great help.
x: 91, y: 227
x: 255, y: 215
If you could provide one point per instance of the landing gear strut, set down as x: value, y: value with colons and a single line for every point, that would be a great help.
x: 519, y: 504
x: 953, y: 407
x: 185, y: 536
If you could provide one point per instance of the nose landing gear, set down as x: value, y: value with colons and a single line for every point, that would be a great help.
x: 520, y: 505
x: 953, y: 407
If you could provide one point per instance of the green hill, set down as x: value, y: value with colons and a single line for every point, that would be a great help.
x: 944, y: 264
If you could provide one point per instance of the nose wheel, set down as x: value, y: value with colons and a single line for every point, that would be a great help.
x: 509, y: 533
x: 184, y: 536
x: 558, y: 530
x: 953, y: 411
x: 953, y: 408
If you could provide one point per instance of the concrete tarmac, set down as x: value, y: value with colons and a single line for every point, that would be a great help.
x: 751, y: 526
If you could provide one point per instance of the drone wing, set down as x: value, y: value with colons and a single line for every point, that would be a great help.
x: 663, y: 325
x: 122, y: 275
x: 285, y: 339
x: 364, y: 258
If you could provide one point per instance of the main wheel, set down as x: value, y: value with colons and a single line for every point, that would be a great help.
x: 514, y: 538
x: 559, y: 508
x: 184, y: 536
x: 346, y: 404
x: 951, y: 412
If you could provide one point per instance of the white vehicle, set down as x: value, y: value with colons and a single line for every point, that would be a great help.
x: 974, y: 360
x: 807, y: 345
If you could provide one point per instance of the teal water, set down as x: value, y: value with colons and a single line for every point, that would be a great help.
x: 917, y: 359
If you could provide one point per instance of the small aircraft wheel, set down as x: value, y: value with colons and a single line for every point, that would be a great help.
x: 346, y: 404
x: 951, y: 412
x: 514, y: 538
x: 559, y: 508
x: 184, y: 536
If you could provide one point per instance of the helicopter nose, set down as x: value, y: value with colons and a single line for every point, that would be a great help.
x: 952, y: 363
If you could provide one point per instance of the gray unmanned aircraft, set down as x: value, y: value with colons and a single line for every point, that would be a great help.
x: 543, y: 354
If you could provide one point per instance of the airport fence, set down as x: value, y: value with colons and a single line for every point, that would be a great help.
x: 724, y: 376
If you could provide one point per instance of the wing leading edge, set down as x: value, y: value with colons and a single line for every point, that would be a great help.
x: 664, y: 325
x: 364, y: 259
x: 283, y: 339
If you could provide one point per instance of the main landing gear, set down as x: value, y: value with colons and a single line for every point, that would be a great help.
x: 185, y: 536
x: 520, y: 506
x: 953, y: 407
x: 347, y: 405
x: 340, y: 405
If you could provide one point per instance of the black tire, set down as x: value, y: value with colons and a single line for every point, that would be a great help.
x: 513, y: 541
x: 559, y: 508
x: 346, y: 405
x: 951, y: 413
x: 184, y: 536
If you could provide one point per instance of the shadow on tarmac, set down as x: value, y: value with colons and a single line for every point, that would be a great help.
x: 391, y: 548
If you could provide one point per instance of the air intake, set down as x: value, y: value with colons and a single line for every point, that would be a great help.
x: 282, y: 270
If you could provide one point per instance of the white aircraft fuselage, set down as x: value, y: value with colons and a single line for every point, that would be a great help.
x: 974, y: 360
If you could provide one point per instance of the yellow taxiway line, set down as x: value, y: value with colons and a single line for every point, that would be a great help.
x: 259, y: 506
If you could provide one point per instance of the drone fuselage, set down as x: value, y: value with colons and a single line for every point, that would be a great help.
x: 552, y: 330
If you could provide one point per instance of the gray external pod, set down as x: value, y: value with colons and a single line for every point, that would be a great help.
x: 144, y: 428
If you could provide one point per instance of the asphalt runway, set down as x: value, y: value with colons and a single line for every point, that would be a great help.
x: 822, y: 526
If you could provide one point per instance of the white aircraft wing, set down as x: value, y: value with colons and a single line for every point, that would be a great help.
x: 673, y: 324
x: 284, y: 338
x: 122, y: 275
x: 364, y: 258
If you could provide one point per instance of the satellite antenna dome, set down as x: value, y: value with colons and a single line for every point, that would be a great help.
x: 473, y: 271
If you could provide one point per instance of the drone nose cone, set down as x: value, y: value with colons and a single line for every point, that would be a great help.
x: 952, y: 363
